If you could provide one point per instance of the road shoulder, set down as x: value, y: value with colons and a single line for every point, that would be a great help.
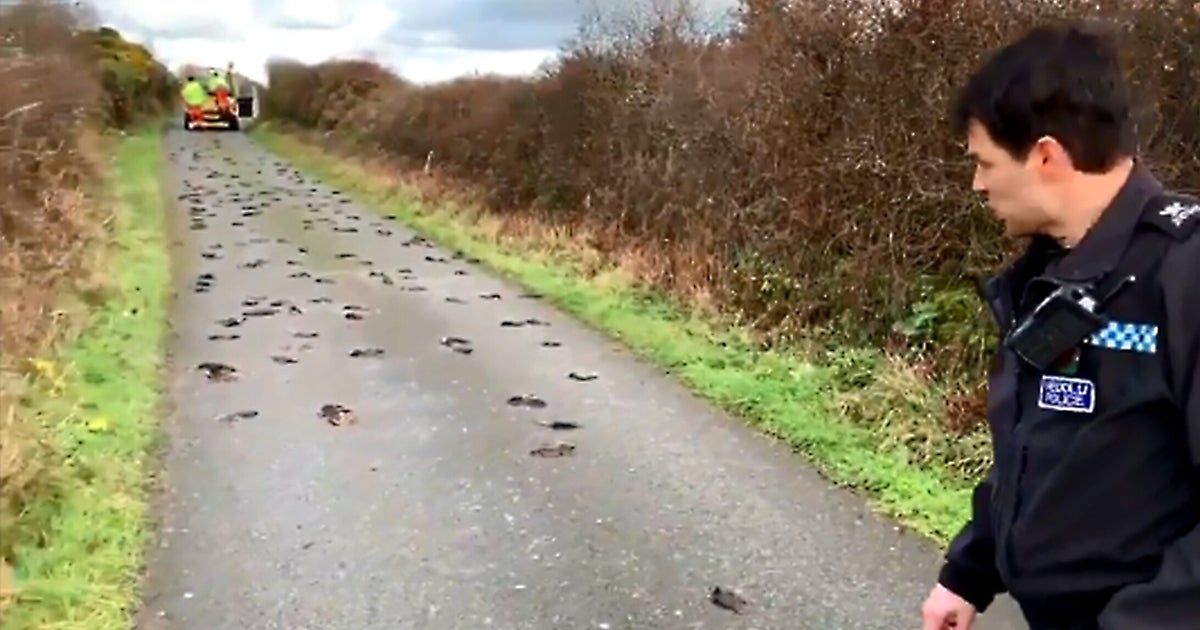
x: 98, y: 399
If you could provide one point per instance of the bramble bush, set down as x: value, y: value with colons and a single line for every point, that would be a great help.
x: 64, y: 85
x: 796, y: 169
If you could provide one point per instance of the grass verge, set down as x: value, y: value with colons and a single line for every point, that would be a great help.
x: 780, y: 393
x: 97, y: 402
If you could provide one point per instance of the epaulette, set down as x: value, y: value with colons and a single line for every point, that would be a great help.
x: 1175, y: 214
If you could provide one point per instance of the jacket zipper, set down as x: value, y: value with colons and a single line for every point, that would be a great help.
x: 997, y: 293
x: 1012, y: 494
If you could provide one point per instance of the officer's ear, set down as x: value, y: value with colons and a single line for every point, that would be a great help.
x: 1050, y: 159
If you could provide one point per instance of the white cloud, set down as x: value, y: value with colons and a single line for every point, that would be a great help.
x: 250, y: 33
x: 306, y: 13
x: 423, y: 40
x: 437, y: 64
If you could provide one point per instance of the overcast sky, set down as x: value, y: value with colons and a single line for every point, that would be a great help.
x: 423, y: 40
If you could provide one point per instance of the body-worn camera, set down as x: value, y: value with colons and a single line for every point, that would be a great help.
x: 1060, y: 322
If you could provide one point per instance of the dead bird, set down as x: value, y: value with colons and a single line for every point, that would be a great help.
x: 556, y: 449
x: 728, y: 599
x: 218, y: 372
x: 559, y: 425
x: 260, y: 312
x: 453, y: 341
x: 457, y: 344
x: 237, y: 415
x: 337, y: 414
x: 527, y: 400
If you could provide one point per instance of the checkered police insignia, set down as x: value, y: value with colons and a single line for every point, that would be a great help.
x: 1127, y: 336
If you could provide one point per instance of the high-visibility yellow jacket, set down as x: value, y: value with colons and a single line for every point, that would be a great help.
x: 194, y: 94
x: 216, y: 81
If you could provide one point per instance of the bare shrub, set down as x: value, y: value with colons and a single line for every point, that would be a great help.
x: 63, y: 84
x: 797, y: 169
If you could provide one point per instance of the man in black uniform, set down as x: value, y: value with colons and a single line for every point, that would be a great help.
x: 1090, y: 515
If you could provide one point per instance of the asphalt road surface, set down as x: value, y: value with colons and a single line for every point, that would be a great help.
x: 435, y: 496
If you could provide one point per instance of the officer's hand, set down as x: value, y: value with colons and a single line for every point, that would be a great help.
x: 943, y: 610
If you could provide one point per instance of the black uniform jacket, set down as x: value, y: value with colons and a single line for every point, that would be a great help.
x: 1091, y: 510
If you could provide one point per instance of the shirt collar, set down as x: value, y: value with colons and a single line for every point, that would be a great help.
x: 1103, y: 245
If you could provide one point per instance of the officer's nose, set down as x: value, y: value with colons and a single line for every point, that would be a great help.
x: 977, y: 183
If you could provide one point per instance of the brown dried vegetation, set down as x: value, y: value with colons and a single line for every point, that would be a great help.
x: 64, y: 84
x: 796, y: 171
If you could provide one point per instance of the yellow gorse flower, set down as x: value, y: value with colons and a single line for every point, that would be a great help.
x: 51, y: 373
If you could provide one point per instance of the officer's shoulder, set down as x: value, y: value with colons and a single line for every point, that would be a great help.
x: 1176, y: 214
x: 1179, y: 216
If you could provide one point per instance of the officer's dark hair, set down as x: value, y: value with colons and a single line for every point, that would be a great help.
x: 1062, y: 80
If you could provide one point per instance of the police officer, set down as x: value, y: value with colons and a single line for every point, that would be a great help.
x: 1090, y: 514
x: 192, y: 93
x: 216, y: 82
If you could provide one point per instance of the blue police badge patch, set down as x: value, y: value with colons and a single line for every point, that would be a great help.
x: 1062, y: 393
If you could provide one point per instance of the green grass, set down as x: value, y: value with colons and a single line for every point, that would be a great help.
x: 101, y: 409
x: 779, y: 393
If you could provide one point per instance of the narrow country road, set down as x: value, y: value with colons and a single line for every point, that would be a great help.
x: 422, y: 505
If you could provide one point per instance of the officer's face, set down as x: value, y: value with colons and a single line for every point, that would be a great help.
x: 1015, y: 190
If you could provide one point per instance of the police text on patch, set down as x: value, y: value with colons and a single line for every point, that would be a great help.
x: 1061, y: 393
